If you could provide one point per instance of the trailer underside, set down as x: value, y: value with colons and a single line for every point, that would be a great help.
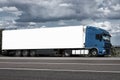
x: 46, y: 52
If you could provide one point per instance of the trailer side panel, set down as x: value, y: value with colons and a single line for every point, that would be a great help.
x: 44, y: 38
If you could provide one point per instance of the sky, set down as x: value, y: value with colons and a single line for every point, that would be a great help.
x: 22, y: 14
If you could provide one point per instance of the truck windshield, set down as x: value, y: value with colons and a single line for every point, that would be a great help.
x: 106, y: 37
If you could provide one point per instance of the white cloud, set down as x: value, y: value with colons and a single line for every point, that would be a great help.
x: 1, y: 24
x: 116, y: 7
x: 12, y: 10
x: 1, y: 9
x: 105, y: 11
x: 105, y: 25
x: 9, y: 9
x: 9, y: 15
x: 32, y: 23
x: 65, y: 5
x: 8, y: 24
x: 62, y: 23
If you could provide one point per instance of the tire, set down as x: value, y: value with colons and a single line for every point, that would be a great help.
x: 25, y: 53
x: 18, y: 53
x: 4, y: 53
x: 93, y: 53
x: 32, y: 53
x: 65, y: 54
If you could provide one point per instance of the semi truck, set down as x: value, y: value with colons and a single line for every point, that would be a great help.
x: 56, y: 41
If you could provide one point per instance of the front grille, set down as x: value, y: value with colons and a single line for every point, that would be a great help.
x: 107, y: 45
x: 107, y: 51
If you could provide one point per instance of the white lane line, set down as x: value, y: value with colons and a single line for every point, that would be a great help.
x: 60, y: 63
x: 59, y: 70
x: 57, y: 63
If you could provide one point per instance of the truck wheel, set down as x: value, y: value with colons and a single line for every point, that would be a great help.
x: 65, y: 54
x: 18, y: 53
x: 4, y: 53
x: 93, y: 53
x: 25, y: 53
x: 32, y: 53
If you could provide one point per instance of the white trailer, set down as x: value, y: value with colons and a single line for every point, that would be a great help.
x: 62, y: 41
x: 44, y: 38
x: 27, y: 41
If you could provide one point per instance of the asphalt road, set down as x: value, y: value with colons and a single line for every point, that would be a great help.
x: 59, y: 68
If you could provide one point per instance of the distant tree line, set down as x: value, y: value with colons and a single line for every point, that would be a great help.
x: 115, y: 51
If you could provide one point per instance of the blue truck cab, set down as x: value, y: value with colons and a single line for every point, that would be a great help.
x: 97, y: 40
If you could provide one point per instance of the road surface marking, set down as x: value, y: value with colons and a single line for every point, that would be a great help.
x: 58, y: 70
x: 58, y: 63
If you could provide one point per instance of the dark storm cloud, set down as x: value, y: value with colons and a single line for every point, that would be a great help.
x: 53, y: 10
x: 58, y: 10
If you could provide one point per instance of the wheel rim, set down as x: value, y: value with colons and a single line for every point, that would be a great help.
x: 32, y: 53
x: 18, y: 53
x: 66, y: 54
x: 94, y: 53
x: 25, y: 53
